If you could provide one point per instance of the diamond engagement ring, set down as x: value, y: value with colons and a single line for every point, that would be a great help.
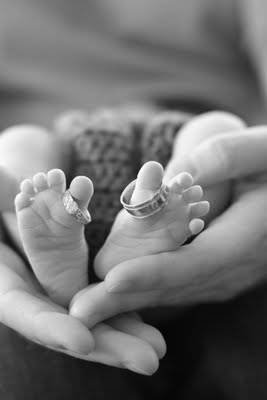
x: 149, y: 207
x: 72, y: 208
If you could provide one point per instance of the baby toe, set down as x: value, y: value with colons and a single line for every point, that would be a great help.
x: 196, y: 226
x: 199, y: 209
x: 175, y: 187
x: 56, y: 180
x: 148, y: 181
x: 82, y: 189
x: 184, y: 179
x: 40, y: 181
x: 22, y: 200
x: 27, y: 187
x: 193, y: 194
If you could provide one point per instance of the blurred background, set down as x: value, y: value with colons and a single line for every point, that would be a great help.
x: 189, y: 54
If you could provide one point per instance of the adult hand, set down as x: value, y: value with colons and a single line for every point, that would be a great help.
x: 224, y: 260
x: 124, y: 341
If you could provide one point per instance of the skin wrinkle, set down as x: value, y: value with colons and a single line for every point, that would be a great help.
x: 217, y: 276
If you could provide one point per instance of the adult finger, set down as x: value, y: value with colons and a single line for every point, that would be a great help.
x: 187, y: 269
x: 114, y: 347
x: 128, y: 323
x: 201, y: 128
x: 40, y: 320
x: 119, y: 349
x: 37, y: 318
x: 204, y: 127
x: 96, y: 304
x: 226, y: 156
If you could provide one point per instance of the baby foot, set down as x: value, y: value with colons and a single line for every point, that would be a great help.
x: 52, y: 238
x: 164, y: 231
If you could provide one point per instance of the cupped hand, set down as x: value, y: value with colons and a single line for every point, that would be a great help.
x: 226, y: 259
x: 124, y: 341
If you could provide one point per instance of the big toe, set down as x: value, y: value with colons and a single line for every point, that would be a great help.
x: 149, y: 180
x: 81, y: 188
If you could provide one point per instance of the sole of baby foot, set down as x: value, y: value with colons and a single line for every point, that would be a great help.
x: 163, y: 231
x: 53, y: 239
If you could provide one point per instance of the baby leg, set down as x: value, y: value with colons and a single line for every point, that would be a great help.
x: 164, y: 231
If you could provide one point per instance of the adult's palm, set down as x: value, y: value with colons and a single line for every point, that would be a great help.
x: 124, y: 341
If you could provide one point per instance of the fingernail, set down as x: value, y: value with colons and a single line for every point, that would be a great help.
x: 62, y: 347
x: 119, y: 286
x: 83, y: 351
x: 80, y: 353
x: 82, y: 346
x: 138, y: 370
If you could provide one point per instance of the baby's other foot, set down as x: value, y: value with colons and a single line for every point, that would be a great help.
x: 53, y: 239
x: 164, y: 231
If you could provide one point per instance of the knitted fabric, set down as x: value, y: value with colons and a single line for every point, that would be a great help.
x: 159, y: 134
x: 110, y: 147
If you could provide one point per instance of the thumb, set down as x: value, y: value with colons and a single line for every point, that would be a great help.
x: 195, y: 268
x: 227, y: 156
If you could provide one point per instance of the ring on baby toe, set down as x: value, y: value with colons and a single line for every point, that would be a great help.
x: 72, y: 208
x: 148, y: 207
